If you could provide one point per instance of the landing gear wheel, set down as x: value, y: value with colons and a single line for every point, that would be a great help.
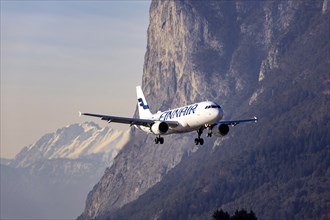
x: 196, y: 141
x: 199, y: 141
x: 159, y: 140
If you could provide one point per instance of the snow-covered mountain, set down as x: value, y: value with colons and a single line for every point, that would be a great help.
x: 72, y: 142
x: 51, y: 178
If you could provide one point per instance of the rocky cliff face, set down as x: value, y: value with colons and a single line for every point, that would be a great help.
x: 141, y: 164
x: 253, y: 58
x: 180, y: 40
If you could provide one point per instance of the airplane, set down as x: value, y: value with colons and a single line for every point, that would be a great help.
x: 195, y: 117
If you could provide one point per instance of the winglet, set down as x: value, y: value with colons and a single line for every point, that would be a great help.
x: 80, y: 114
x: 255, y: 119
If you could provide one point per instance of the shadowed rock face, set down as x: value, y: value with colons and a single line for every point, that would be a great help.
x: 268, y: 59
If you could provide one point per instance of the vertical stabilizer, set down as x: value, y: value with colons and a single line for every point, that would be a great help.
x: 143, y: 106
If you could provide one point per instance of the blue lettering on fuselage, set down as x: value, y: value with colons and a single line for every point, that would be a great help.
x: 179, y: 112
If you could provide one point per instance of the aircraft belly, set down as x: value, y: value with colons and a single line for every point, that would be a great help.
x: 180, y: 130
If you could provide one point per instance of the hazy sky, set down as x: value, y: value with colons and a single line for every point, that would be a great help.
x: 61, y: 57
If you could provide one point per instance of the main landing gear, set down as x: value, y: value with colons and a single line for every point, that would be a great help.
x: 199, y: 140
x: 159, y: 139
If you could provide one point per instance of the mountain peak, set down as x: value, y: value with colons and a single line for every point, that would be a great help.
x: 72, y: 142
x: 90, y: 125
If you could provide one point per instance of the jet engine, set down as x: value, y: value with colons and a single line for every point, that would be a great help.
x: 159, y: 127
x: 220, y: 130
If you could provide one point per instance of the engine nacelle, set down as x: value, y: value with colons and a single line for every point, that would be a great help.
x: 220, y: 130
x: 160, y: 127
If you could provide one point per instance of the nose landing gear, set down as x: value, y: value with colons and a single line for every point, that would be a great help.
x: 209, y: 130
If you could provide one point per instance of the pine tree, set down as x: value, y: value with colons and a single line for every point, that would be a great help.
x: 243, y: 215
x: 239, y: 215
x: 220, y: 215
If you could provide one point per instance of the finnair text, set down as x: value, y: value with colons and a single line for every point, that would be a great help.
x: 179, y: 112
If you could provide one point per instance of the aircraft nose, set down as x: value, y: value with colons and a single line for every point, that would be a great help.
x: 216, y: 114
x: 220, y: 114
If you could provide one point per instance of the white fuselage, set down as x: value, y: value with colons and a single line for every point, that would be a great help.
x: 189, y: 118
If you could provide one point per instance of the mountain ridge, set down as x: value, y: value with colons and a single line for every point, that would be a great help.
x: 73, y: 141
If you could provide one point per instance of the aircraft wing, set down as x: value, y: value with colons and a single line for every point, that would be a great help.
x: 236, y: 122
x: 123, y: 120
x: 130, y: 121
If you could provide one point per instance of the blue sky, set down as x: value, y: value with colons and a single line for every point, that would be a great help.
x: 61, y: 57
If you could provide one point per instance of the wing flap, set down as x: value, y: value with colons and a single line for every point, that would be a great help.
x: 130, y: 121
x: 236, y: 122
x: 123, y: 120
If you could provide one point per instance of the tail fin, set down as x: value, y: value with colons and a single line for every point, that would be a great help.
x: 144, y: 111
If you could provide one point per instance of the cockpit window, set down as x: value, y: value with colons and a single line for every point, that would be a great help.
x: 212, y: 106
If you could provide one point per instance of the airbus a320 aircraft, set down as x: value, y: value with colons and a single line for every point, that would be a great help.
x: 196, y: 117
